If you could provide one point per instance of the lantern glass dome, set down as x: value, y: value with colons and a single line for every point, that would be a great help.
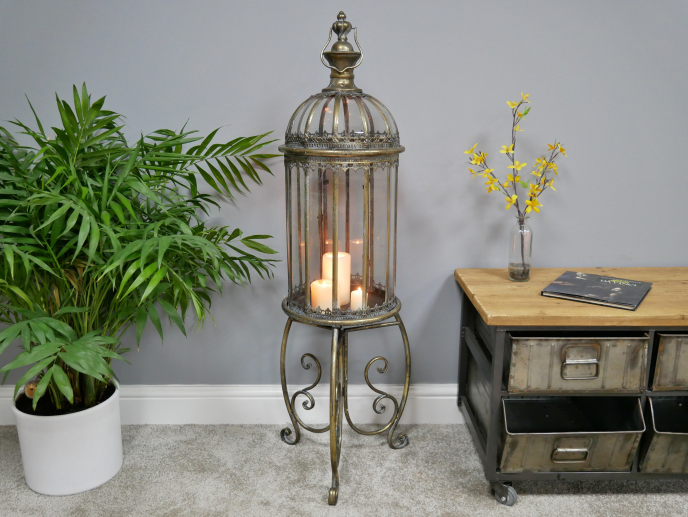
x: 341, y: 157
x: 341, y: 120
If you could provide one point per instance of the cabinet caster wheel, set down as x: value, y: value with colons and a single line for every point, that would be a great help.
x: 506, y: 496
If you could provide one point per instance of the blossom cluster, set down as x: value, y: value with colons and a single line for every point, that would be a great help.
x: 533, y: 188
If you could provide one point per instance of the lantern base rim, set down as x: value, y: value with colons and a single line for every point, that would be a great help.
x: 328, y: 319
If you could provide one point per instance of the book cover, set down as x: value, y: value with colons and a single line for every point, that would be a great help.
x: 602, y: 290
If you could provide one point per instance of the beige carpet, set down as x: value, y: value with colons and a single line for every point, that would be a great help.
x: 248, y: 471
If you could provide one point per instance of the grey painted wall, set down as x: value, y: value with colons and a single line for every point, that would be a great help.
x: 608, y: 79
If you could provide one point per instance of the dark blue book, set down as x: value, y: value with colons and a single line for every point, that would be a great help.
x: 601, y: 290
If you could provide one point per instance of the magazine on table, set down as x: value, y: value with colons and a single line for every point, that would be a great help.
x: 601, y: 290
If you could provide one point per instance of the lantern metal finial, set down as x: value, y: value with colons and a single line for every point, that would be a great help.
x: 341, y: 28
x: 341, y: 57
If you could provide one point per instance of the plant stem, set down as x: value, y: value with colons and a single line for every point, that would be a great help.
x: 521, y: 223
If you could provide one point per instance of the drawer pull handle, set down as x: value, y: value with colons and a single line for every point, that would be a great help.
x: 569, y: 452
x: 567, y: 361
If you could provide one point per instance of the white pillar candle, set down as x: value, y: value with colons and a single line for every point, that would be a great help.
x: 356, y: 299
x: 343, y: 275
x: 321, y: 294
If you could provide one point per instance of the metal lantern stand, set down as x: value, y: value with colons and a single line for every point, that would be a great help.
x: 342, y: 150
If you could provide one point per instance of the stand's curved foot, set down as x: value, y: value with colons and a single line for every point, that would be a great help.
x: 401, y: 440
x: 286, y: 432
x: 333, y: 495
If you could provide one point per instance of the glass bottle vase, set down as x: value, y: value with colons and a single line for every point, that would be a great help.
x: 521, y: 244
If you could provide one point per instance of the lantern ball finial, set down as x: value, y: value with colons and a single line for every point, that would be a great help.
x: 341, y: 28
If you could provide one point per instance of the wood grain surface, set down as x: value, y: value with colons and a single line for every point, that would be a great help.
x: 503, y: 302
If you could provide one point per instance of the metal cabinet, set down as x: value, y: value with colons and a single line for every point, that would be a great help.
x: 518, y: 385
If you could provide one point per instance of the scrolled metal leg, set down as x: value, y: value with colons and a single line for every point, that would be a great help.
x: 336, y: 390
x: 377, y: 407
x: 401, y: 440
x: 286, y: 432
x: 308, y: 404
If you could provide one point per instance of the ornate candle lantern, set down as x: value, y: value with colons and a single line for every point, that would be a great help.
x: 341, y: 158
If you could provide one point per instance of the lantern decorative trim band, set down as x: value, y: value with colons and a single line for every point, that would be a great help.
x: 341, y: 159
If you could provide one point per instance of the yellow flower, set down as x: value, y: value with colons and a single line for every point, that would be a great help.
x: 533, y: 204
x: 470, y: 151
x: 554, y: 167
x: 552, y: 147
x: 549, y: 184
x: 536, y: 173
x: 491, y: 184
x: 562, y: 150
x: 517, y: 165
x: 519, y: 114
x: 472, y: 172
x: 524, y: 97
x: 507, y: 149
x: 512, y: 105
x: 487, y: 172
x: 510, y: 200
x: 478, y: 158
x: 512, y: 179
x: 517, y: 128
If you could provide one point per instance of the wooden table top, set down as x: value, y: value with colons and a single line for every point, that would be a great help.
x: 503, y: 302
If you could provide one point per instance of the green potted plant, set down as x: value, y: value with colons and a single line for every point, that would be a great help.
x: 99, y: 235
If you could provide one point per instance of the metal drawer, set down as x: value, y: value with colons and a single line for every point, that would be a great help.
x: 667, y: 437
x: 571, y: 434
x: 671, y: 371
x: 568, y: 364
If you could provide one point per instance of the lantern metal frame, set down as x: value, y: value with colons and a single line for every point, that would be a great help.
x: 340, y: 151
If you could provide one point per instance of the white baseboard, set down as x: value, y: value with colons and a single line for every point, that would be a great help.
x: 264, y: 404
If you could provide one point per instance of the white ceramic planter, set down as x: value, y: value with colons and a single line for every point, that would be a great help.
x: 68, y: 454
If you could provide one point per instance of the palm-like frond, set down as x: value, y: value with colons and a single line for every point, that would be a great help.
x: 99, y: 234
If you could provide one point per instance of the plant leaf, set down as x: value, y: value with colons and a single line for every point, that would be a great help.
x: 141, y: 319
x: 62, y: 382
x: 42, y: 386
x: 155, y: 318
x: 33, y: 371
x: 174, y: 316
